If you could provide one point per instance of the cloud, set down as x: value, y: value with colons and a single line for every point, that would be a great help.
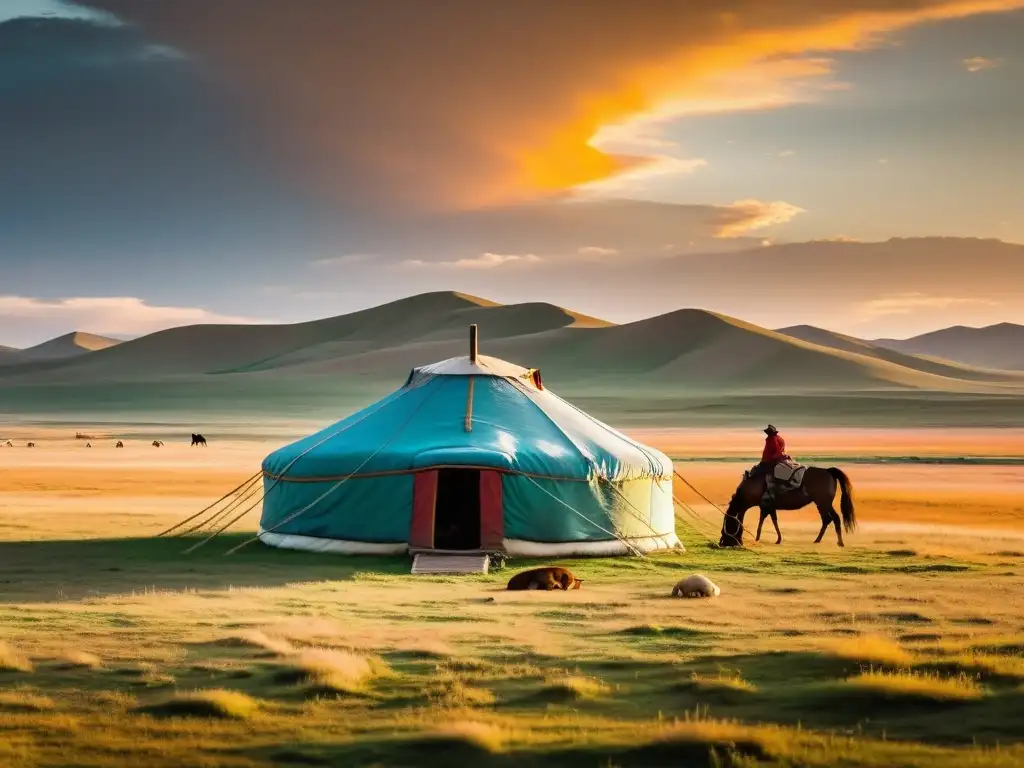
x: 910, y: 302
x: 552, y: 232
x: 483, y: 261
x: 641, y: 171
x: 980, y: 63
x: 787, y: 153
x: 120, y: 315
x: 596, y: 250
x: 749, y: 215
x: 460, y: 104
x: 344, y: 260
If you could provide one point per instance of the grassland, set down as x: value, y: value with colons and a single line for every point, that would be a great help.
x: 905, y: 649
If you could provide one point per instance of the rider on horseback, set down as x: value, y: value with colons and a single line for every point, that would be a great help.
x: 774, y: 452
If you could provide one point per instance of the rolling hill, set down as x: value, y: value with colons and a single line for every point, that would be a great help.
x: 688, y: 350
x: 69, y: 345
x: 940, y: 367
x: 994, y: 346
x: 223, y: 349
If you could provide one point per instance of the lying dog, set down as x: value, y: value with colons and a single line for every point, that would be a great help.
x: 550, y: 577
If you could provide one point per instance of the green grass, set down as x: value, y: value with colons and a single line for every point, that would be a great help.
x: 279, y: 658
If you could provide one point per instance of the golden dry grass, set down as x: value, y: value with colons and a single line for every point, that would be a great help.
x: 13, y: 660
x: 574, y: 688
x: 208, y: 704
x: 616, y: 673
x: 912, y: 684
x: 486, y: 736
x: 77, y: 659
x: 25, y: 701
x: 870, y: 649
x: 328, y: 670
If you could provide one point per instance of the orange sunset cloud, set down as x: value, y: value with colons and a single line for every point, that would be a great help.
x: 457, y: 105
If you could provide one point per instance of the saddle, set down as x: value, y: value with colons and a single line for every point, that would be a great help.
x: 787, y: 475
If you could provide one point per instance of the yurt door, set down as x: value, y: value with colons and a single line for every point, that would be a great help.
x: 457, y: 510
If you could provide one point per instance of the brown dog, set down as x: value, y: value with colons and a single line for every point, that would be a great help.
x: 550, y: 577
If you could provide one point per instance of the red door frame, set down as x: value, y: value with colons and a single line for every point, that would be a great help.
x: 424, y: 502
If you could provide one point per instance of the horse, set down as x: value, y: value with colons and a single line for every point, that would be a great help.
x: 819, y: 487
x: 198, y: 440
x: 157, y: 443
x: 119, y: 444
x: 30, y: 445
x: 10, y: 444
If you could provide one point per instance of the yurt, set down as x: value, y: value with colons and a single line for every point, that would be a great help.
x: 471, y: 454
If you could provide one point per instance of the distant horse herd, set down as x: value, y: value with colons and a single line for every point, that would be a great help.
x: 197, y: 439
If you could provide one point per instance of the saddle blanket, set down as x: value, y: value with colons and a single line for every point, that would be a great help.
x: 788, y: 476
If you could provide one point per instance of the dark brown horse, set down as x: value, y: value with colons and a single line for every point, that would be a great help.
x: 819, y: 487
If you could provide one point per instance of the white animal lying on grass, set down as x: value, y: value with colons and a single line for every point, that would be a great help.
x: 697, y: 585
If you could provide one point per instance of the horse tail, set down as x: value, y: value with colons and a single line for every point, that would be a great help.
x: 846, y: 498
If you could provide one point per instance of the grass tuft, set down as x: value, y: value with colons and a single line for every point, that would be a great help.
x: 724, y: 688
x: 217, y: 703
x: 330, y: 671
x: 455, y: 694
x: 573, y: 688
x: 78, y: 660
x: 986, y: 666
x: 908, y: 685
x: 24, y: 701
x: 257, y: 640
x: 12, y: 660
x: 657, y: 630
x: 871, y: 649
x: 484, y: 736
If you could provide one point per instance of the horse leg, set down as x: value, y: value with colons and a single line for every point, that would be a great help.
x: 760, y: 523
x: 837, y: 523
x: 826, y: 518
x: 778, y: 531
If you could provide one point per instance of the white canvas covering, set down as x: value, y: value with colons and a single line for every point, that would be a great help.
x: 513, y: 547
x: 463, y: 366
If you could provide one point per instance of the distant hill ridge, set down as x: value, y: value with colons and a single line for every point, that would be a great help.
x: 994, y: 346
x: 686, y: 351
x: 69, y: 345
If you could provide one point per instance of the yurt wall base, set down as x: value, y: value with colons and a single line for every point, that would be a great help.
x: 513, y: 547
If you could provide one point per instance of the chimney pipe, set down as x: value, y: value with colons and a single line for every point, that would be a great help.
x: 472, y: 344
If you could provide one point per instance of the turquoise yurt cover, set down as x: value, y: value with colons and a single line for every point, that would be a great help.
x: 470, y: 454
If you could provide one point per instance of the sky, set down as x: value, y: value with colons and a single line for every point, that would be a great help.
x: 853, y: 164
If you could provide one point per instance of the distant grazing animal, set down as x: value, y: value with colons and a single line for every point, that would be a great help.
x: 697, y: 585
x: 157, y: 443
x: 10, y: 444
x: 819, y: 487
x: 119, y: 444
x: 88, y: 445
x: 30, y: 445
x: 198, y: 440
x: 548, y: 578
